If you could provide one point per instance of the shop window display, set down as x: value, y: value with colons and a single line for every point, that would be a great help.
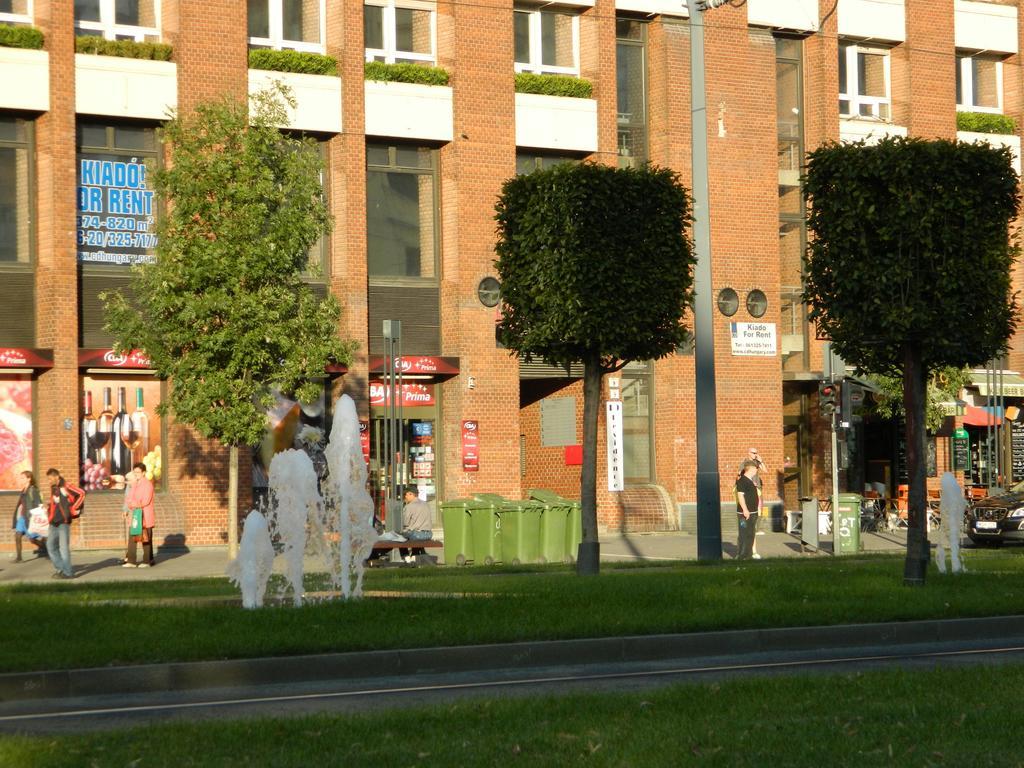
x: 120, y: 427
x: 15, y: 429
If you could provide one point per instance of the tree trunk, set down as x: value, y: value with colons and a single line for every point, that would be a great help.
x: 918, y: 553
x: 589, y: 553
x: 233, y: 502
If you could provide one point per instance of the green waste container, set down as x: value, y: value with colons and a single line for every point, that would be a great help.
x: 574, y: 521
x: 456, y: 517
x: 554, y: 522
x: 520, y: 531
x: 485, y: 522
x: 846, y: 524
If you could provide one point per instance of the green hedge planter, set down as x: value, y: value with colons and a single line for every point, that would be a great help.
x: 554, y: 85
x: 405, y: 73
x: 985, y: 122
x: 12, y: 36
x: 125, y: 49
x: 299, y: 62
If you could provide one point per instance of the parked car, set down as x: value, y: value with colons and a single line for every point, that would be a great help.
x: 999, y: 518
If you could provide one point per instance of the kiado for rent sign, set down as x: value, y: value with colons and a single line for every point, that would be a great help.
x: 753, y: 339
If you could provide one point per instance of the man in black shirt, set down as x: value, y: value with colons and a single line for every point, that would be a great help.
x: 747, y: 508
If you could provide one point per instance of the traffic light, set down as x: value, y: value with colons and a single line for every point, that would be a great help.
x: 827, y: 396
x: 853, y: 399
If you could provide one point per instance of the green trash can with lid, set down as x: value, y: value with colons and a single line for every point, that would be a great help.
x: 485, y: 523
x: 520, y: 531
x: 846, y: 525
x: 574, y: 522
x: 456, y: 520
x: 554, y: 522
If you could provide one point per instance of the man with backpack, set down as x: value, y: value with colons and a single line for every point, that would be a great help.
x: 66, y: 502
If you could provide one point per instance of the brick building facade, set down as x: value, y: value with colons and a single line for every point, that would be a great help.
x: 412, y: 174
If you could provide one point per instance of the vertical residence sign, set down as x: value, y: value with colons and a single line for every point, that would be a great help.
x: 613, y: 428
x: 116, y: 211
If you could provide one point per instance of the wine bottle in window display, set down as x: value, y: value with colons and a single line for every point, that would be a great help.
x: 104, y: 425
x: 88, y: 431
x: 138, y: 439
x: 120, y: 453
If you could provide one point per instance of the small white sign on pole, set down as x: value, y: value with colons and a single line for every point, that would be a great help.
x: 753, y: 339
x: 613, y: 428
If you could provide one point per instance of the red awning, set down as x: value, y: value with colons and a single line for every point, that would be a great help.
x: 982, y: 417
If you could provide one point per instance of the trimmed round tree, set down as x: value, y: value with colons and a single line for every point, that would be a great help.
x: 908, y: 271
x: 596, y: 268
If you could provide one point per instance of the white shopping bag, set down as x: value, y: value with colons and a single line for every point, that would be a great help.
x: 38, y: 524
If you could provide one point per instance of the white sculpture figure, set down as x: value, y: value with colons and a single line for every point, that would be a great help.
x: 294, y: 500
x: 251, y: 569
x: 951, y: 508
x: 346, y: 492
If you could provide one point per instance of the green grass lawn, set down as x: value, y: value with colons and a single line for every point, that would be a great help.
x: 190, y: 620
x: 951, y: 717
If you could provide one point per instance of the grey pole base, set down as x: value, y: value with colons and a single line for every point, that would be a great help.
x: 588, y: 558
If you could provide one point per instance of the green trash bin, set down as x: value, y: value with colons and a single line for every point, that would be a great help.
x: 456, y: 516
x: 485, y: 522
x: 846, y: 525
x: 554, y: 521
x: 520, y: 531
x: 574, y: 522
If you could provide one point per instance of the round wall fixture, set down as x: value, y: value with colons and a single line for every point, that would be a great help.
x: 489, y: 292
x: 757, y: 303
x: 728, y: 302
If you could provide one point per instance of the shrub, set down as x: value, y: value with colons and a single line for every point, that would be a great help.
x: 985, y: 122
x: 300, y: 62
x: 125, y: 49
x: 554, y: 85
x: 12, y: 36
x: 405, y: 73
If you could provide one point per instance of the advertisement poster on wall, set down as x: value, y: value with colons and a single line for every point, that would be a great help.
x: 120, y: 428
x: 290, y: 424
x: 116, y: 210
x: 15, y: 430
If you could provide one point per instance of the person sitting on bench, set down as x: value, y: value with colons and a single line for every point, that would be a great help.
x: 416, y: 524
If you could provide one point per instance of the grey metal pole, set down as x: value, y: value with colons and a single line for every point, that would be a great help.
x: 709, y: 510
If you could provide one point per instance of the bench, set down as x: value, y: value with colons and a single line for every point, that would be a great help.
x: 387, y: 546
x: 382, y: 548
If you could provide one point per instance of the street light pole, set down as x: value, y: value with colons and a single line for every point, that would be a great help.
x: 709, y: 511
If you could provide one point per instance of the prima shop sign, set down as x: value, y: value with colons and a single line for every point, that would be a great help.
x: 136, y: 359
x: 412, y: 394
x: 20, y: 357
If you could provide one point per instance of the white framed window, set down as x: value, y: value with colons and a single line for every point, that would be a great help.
x: 864, y: 82
x: 16, y: 11
x: 296, y: 25
x: 137, y: 20
x: 979, y: 84
x: 402, y: 32
x: 547, y: 42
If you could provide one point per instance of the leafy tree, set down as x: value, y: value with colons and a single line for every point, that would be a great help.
x: 909, y: 271
x: 596, y: 267
x: 223, y: 312
x: 943, y: 386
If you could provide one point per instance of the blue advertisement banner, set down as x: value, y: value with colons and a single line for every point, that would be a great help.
x: 116, y: 211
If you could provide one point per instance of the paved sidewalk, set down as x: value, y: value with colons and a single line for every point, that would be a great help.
x: 104, y: 565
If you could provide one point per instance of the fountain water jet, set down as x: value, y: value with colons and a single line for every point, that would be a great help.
x: 293, y: 500
x: 251, y: 569
x: 339, y: 522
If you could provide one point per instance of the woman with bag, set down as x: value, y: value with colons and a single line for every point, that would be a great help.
x: 28, y: 500
x: 142, y: 518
